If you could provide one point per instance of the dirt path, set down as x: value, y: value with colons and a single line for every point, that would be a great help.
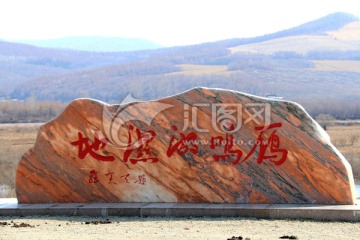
x: 169, y: 228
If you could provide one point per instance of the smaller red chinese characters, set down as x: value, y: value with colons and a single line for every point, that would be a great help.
x: 140, y: 147
x: 116, y: 178
x: 141, y: 179
x: 125, y: 177
x: 278, y: 155
x: 110, y: 177
x: 84, y: 148
x: 93, y: 177
x: 229, y: 152
x: 182, y: 146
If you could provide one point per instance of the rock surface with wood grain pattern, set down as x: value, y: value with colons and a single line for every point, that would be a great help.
x: 201, y: 146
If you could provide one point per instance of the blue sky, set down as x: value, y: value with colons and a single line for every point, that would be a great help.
x: 167, y: 22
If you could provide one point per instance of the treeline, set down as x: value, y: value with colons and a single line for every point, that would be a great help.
x: 29, y: 111
x: 340, y: 109
x: 290, y: 79
x: 42, y: 111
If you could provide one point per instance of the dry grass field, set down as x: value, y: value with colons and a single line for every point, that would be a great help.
x: 300, y: 44
x: 347, y: 140
x: 201, y: 70
x: 350, y: 32
x: 335, y: 65
x: 15, y: 139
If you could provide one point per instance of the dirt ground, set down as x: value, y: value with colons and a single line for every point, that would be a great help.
x: 170, y: 228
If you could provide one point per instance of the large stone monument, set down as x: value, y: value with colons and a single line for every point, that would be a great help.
x: 203, y: 145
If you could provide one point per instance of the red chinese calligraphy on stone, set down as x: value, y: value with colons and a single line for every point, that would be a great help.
x: 185, y: 144
x: 111, y: 177
x: 84, y: 148
x: 272, y: 144
x: 228, y: 143
x: 141, y: 179
x: 126, y: 177
x: 93, y: 177
x: 140, y: 147
x: 229, y: 152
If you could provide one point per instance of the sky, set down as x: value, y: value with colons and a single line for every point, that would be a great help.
x: 166, y: 22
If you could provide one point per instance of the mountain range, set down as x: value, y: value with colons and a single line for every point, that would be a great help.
x: 94, y: 43
x: 316, y: 64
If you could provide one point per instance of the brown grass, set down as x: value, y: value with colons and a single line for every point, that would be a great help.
x: 299, y: 44
x: 334, y: 65
x: 350, y: 32
x: 200, y: 70
x: 347, y: 140
x: 16, y: 139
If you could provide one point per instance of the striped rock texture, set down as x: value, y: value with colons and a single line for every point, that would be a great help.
x: 201, y: 146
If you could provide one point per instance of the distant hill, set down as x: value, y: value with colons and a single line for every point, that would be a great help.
x: 336, y: 32
x: 321, y: 26
x: 95, y: 44
x: 301, y: 44
x: 315, y: 64
x: 23, y: 62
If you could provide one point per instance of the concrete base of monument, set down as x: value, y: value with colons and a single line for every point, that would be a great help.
x: 10, y: 207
